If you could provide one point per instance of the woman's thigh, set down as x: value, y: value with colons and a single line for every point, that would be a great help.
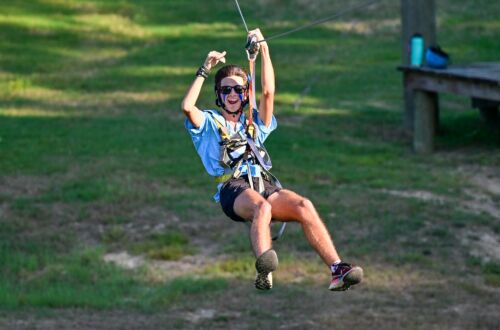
x: 287, y: 205
x: 246, y: 204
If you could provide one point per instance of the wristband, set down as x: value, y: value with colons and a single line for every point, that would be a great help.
x: 202, y: 72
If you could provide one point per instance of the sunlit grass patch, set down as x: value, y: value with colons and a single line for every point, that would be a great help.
x: 36, y: 21
x: 290, y: 99
x: 297, y: 269
x: 155, y: 70
x: 222, y: 30
x: 401, y: 278
x: 291, y: 269
x: 84, y: 61
x: 165, y: 246
x: 116, y: 25
x: 239, y: 265
x: 365, y: 27
x: 33, y: 112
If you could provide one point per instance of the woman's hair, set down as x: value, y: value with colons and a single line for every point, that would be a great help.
x: 230, y: 70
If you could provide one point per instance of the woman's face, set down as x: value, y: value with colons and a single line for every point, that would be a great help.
x: 232, y: 92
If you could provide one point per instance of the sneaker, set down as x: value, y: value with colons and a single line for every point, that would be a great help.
x: 265, y: 265
x: 264, y: 281
x: 345, y: 275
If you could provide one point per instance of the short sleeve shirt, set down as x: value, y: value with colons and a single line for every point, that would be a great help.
x: 206, y: 139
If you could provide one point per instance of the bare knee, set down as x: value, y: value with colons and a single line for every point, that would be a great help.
x: 263, y: 211
x: 305, y: 210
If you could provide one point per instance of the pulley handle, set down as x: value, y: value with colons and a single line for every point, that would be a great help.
x: 252, y: 47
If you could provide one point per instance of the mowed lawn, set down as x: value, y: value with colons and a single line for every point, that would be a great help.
x: 106, y: 213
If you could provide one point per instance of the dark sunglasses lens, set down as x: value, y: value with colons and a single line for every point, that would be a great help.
x: 239, y: 89
x: 226, y: 90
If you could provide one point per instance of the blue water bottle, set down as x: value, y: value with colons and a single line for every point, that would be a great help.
x: 416, y: 50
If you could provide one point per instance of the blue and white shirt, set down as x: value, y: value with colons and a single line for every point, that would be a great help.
x: 206, y: 139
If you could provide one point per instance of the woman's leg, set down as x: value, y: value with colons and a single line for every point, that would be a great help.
x: 251, y: 206
x: 287, y: 205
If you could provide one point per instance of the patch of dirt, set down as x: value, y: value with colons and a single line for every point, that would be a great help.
x: 485, y: 188
x: 125, y: 260
x: 481, y: 203
x: 159, y: 270
x: 482, y: 243
x: 425, y: 196
x: 200, y: 314
x: 23, y: 185
x: 482, y: 197
x: 485, y: 178
x: 483, y: 194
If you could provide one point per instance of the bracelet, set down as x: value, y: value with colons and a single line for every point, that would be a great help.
x: 202, y: 72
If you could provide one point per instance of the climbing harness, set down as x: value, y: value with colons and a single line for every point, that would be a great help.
x: 239, y: 155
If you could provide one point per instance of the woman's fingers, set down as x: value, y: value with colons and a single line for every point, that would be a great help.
x: 215, y: 57
x: 256, y: 33
x: 221, y: 57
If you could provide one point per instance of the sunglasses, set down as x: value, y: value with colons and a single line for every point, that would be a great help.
x: 238, y: 89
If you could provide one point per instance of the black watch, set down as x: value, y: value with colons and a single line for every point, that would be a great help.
x: 202, y: 72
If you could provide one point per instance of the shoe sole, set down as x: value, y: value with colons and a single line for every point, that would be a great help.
x: 352, y: 277
x: 265, y: 264
x: 264, y: 281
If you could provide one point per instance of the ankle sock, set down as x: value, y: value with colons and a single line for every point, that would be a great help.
x: 334, y: 266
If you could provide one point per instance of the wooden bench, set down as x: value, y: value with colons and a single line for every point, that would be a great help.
x: 479, y: 81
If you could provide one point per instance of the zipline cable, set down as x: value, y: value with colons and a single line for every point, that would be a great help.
x: 241, y: 14
x: 323, y: 20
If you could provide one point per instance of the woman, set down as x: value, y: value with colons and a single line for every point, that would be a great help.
x: 244, y: 166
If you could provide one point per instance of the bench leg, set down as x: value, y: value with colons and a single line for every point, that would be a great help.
x: 424, y: 121
x: 488, y: 110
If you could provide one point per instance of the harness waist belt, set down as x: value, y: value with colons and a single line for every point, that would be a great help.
x: 254, y: 172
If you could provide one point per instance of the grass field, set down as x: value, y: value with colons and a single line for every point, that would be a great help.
x: 106, y: 213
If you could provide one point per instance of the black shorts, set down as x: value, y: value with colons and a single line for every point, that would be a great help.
x: 234, y: 187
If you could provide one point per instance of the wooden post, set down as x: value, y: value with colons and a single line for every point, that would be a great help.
x: 417, y: 16
x: 425, y: 124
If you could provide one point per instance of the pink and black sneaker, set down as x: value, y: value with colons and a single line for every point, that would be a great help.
x: 344, y: 276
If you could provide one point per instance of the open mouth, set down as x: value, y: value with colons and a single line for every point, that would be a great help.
x: 232, y: 101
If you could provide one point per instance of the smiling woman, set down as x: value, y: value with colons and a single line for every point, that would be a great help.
x: 231, y: 147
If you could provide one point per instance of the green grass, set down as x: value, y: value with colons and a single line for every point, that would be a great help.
x: 35, y: 278
x: 94, y: 159
x: 165, y: 246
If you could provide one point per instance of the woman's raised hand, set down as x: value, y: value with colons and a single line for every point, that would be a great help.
x: 257, y: 34
x: 213, y: 58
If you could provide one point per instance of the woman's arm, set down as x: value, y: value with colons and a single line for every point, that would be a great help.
x: 266, y: 106
x: 188, y: 105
